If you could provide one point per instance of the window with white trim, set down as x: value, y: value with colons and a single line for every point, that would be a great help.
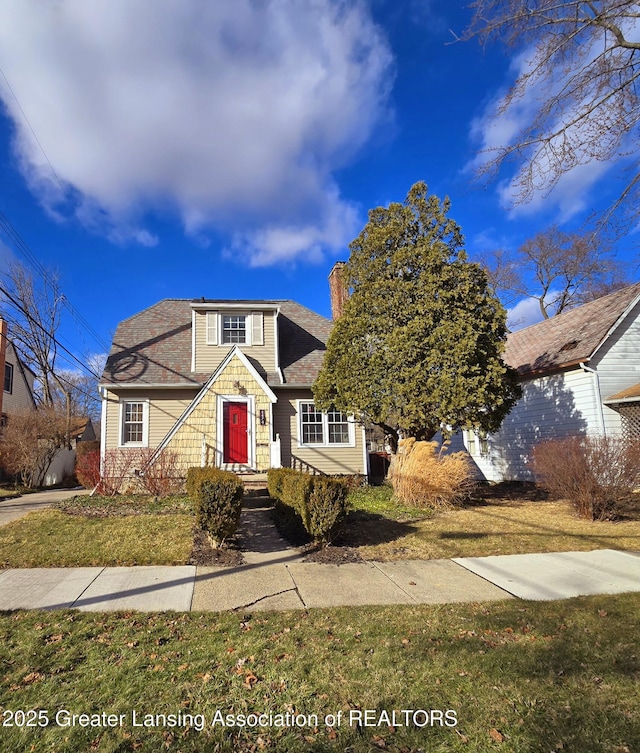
x: 134, y: 417
x: 234, y: 329
x: 322, y: 429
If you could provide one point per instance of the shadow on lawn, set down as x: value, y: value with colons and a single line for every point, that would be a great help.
x: 367, y: 528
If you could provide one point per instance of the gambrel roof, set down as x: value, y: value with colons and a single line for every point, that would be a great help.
x: 570, y: 338
x: 154, y: 346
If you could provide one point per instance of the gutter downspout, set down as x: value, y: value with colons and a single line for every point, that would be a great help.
x: 596, y: 381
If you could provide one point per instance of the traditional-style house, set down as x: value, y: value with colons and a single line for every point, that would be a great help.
x: 580, y: 374
x: 226, y: 383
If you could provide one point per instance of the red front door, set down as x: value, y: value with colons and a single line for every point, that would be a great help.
x: 235, y: 433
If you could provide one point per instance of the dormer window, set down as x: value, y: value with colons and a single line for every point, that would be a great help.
x: 234, y: 328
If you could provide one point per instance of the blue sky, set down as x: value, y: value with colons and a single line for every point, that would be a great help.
x: 233, y: 149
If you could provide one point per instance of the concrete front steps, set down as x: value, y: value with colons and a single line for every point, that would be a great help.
x: 254, y: 482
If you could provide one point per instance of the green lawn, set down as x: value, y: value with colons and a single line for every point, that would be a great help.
x: 101, y: 531
x: 521, y: 677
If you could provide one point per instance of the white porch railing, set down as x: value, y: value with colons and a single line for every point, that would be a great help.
x: 276, y: 453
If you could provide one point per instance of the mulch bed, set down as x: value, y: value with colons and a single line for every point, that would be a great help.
x: 203, y: 553
x: 331, y: 555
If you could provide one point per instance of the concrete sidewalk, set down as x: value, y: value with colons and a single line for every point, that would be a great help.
x: 291, y: 584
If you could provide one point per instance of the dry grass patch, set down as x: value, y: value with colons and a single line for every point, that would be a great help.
x: 503, y: 526
x: 54, y: 539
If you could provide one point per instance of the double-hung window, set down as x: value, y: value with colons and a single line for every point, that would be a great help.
x: 134, y: 422
x: 323, y: 429
x: 234, y: 328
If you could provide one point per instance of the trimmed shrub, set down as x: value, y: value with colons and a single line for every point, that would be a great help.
x: 194, y: 476
x: 594, y: 473
x: 217, y: 499
x: 426, y: 477
x: 318, y: 503
x: 275, y: 480
x: 296, y: 489
x: 326, y: 508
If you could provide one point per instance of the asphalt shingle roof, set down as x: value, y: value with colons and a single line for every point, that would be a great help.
x: 153, y: 347
x: 569, y: 338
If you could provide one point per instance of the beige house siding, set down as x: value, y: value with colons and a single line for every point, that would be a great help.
x: 20, y: 398
x: 209, y: 357
x: 165, y: 407
x: 325, y: 459
x: 202, y: 423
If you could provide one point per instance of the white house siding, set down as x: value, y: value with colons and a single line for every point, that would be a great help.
x: 618, y: 365
x: 209, y: 357
x: 551, y: 407
x: 329, y: 460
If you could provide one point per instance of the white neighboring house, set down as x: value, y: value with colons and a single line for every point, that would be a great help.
x: 580, y: 374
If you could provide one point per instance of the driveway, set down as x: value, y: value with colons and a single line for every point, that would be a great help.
x: 12, y: 509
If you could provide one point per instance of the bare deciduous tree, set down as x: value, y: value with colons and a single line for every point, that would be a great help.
x: 30, y: 441
x: 33, y: 314
x: 582, y: 69
x: 559, y: 270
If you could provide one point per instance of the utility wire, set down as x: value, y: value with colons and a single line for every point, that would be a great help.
x: 34, y: 321
x: 23, y: 248
x: 19, y: 242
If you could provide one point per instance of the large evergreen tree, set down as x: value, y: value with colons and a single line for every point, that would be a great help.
x: 419, y: 345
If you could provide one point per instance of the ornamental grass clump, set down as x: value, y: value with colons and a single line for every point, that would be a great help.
x: 424, y: 476
x: 217, y: 497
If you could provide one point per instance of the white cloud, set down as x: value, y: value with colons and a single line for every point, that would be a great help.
x: 523, y: 314
x: 500, y: 127
x: 230, y: 113
x: 527, y: 311
x: 275, y: 244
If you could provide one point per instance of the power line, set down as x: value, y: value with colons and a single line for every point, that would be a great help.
x: 32, y: 259
x: 34, y: 321
x: 19, y: 242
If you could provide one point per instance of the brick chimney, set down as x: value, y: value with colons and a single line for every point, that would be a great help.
x: 3, y: 358
x: 338, y: 290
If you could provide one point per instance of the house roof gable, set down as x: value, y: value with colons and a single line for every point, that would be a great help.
x: 569, y: 338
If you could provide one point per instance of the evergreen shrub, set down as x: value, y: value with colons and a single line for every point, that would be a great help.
x: 318, y: 503
x: 275, y: 480
x: 217, y: 497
